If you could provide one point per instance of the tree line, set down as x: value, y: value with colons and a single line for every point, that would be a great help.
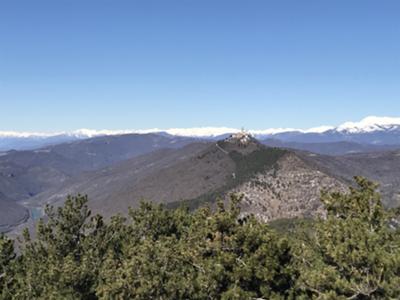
x: 212, y: 253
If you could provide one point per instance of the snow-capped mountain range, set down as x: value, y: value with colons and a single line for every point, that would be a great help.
x: 370, y: 130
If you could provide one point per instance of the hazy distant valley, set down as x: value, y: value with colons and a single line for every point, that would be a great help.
x: 25, y: 174
x: 280, y: 176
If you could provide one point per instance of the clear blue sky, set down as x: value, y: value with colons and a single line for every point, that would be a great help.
x: 142, y: 64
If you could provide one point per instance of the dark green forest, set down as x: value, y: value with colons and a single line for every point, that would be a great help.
x: 211, y: 253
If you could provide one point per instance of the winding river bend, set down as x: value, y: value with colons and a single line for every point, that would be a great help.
x: 35, y: 213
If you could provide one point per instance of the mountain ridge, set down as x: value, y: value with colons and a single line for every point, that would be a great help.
x: 370, y: 130
x: 122, y: 170
x: 367, y: 124
x: 199, y: 173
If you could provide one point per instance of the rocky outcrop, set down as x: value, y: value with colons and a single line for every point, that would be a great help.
x: 290, y: 189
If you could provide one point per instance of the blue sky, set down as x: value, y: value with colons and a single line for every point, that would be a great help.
x: 142, y: 64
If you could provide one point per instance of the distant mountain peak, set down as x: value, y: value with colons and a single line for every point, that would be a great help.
x: 370, y: 124
x: 361, y: 132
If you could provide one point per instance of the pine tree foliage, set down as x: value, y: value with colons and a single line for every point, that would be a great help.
x: 211, y: 253
x: 354, y: 253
